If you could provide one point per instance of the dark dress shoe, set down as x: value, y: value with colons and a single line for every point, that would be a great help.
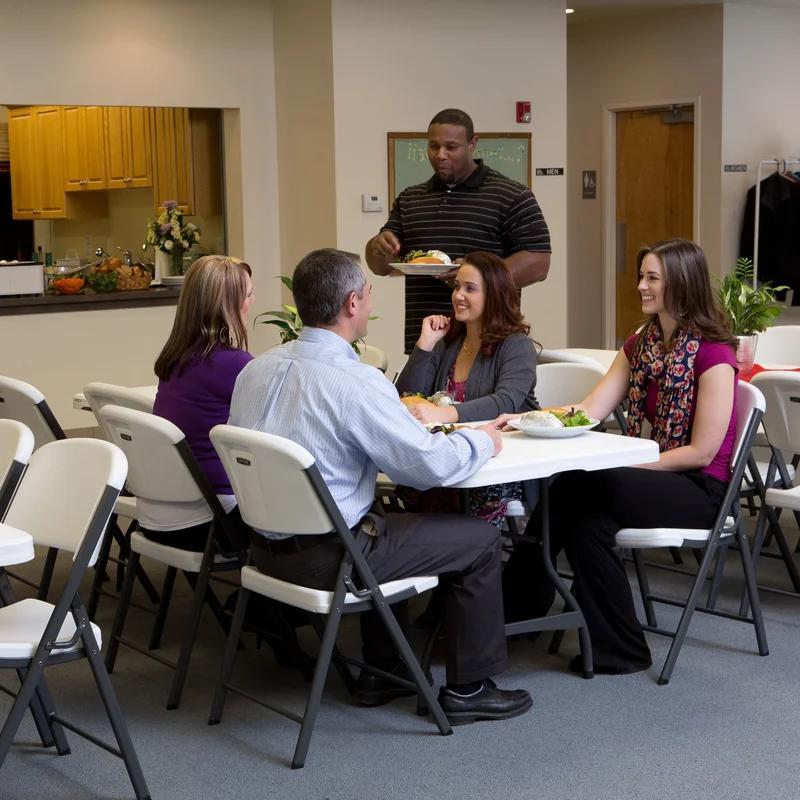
x: 576, y: 665
x: 489, y: 702
x: 374, y: 690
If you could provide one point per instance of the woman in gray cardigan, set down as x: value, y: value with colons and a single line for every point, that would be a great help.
x: 483, y: 358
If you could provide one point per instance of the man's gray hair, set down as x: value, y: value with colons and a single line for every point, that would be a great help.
x: 322, y: 282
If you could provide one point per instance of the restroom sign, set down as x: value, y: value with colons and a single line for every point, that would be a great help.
x: 589, y: 188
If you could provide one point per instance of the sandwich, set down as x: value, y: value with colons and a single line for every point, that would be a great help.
x: 427, y: 257
x: 415, y: 400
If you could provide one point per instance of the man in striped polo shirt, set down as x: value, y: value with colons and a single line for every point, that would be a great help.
x: 465, y: 206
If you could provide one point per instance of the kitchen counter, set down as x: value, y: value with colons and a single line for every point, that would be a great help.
x: 89, y: 301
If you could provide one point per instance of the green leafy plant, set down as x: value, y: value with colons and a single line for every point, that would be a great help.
x: 288, y: 320
x: 750, y: 310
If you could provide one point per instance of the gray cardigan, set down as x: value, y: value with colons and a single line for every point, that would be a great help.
x: 502, y: 383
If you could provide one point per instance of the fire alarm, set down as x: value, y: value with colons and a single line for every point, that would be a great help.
x: 523, y: 110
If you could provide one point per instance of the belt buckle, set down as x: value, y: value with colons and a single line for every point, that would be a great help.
x: 369, y: 527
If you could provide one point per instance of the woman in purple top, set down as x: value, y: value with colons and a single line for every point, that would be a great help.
x: 197, y: 369
x: 679, y: 374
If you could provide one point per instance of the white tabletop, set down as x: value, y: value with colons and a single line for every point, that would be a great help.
x: 16, y: 546
x: 148, y: 394
x: 525, y: 458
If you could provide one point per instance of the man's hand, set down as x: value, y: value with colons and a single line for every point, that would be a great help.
x: 381, y: 250
x: 449, y: 276
x: 434, y: 328
x: 426, y: 413
x: 494, y: 434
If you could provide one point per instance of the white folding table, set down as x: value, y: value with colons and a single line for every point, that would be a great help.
x: 525, y: 458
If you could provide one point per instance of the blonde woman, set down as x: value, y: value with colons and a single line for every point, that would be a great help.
x: 197, y: 368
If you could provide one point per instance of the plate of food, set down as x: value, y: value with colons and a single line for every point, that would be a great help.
x: 554, y: 424
x: 424, y: 262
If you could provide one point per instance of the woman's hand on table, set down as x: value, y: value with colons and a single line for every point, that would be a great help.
x: 501, y: 423
x: 429, y: 413
x: 434, y: 328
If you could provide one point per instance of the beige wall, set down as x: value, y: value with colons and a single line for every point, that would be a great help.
x: 181, y: 53
x: 643, y: 58
x: 761, y: 103
x: 396, y: 65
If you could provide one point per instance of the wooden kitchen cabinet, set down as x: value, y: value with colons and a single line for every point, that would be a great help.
x: 128, y: 147
x: 84, y: 148
x: 37, y: 164
x: 186, y: 159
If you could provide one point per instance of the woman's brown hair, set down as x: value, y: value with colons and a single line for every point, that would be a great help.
x: 501, y: 314
x: 688, y: 295
x: 208, y: 314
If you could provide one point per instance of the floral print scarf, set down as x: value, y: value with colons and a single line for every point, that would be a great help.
x: 673, y: 371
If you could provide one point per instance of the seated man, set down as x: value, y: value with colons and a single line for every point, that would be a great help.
x: 317, y: 393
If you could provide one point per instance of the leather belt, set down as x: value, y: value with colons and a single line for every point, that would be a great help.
x: 292, y: 544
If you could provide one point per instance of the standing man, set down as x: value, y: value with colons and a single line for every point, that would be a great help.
x: 316, y: 392
x: 465, y: 206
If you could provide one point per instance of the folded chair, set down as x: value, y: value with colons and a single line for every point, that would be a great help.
x: 727, y: 527
x: 64, y: 502
x: 782, y: 424
x: 98, y: 395
x: 279, y: 488
x: 161, y: 467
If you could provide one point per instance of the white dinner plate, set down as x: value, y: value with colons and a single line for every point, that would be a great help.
x: 172, y: 280
x: 422, y: 269
x: 552, y: 433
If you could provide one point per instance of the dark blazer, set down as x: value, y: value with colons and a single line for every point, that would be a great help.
x: 502, y: 383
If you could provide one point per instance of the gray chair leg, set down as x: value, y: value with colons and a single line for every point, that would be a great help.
x: 25, y: 697
x: 716, y: 578
x: 122, y: 612
x: 758, y: 543
x: 339, y: 665
x: 752, y: 592
x: 163, y: 608
x: 100, y: 574
x: 231, y: 647
x: 47, y: 573
x: 644, y: 587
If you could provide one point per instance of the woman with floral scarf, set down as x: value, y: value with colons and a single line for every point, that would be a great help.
x: 678, y: 373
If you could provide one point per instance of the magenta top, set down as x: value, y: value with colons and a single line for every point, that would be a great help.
x: 708, y: 355
x: 198, y: 397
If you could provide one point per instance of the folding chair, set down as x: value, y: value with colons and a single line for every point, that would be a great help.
x: 727, y: 527
x: 64, y: 501
x: 279, y: 488
x: 16, y: 446
x: 782, y: 424
x: 98, y: 395
x: 374, y: 356
x: 161, y: 467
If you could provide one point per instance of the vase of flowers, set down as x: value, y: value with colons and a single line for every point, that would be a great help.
x: 171, y: 236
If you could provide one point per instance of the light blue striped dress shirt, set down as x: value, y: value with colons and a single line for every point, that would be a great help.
x: 317, y: 393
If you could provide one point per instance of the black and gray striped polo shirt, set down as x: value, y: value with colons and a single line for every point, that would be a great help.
x: 487, y: 211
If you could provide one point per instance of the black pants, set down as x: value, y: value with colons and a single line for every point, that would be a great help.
x: 463, y: 551
x: 195, y: 538
x: 587, y: 509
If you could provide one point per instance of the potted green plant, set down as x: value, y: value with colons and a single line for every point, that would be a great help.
x: 288, y: 320
x: 750, y: 310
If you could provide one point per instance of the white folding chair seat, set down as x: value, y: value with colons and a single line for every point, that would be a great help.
x: 161, y: 468
x: 16, y: 546
x: 22, y: 626
x: 784, y: 498
x: 125, y: 507
x: 318, y: 601
x: 64, y: 501
x: 749, y: 412
x: 279, y: 488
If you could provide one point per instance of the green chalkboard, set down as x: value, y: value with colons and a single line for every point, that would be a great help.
x: 509, y: 153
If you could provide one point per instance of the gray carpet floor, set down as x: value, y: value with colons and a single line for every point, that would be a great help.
x: 724, y: 727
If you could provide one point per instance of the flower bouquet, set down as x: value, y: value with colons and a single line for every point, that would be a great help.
x: 170, y: 234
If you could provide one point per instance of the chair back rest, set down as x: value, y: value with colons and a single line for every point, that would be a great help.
x: 374, y: 356
x: 16, y: 446
x: 157, y: 455
x: 276, y: 483
x: 26, y: 404
x: 564, y: 357
x: 69, y: 490
x: 110, y: 394
x: 563, y: 384
x: 749, y: 403
x: 779, y: 344
x: 781, y: 392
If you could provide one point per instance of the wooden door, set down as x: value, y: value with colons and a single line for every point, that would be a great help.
x: 140, y: 165
x: 116, y: 146
x: 50, y: 162
x: 655, y: 194
x: 22, y: 148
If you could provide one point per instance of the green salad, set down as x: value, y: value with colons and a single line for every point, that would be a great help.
x: 573, y: 418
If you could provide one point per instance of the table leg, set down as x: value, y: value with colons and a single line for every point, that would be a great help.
x: 573, y: 616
